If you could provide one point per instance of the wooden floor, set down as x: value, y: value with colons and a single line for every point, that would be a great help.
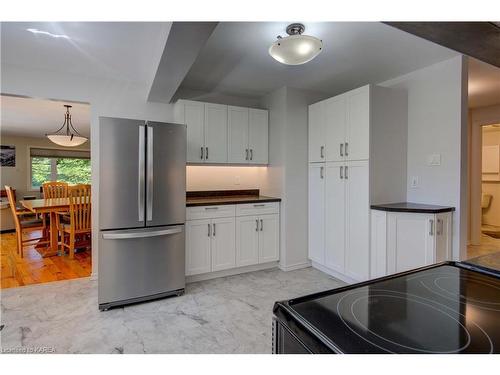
x: 488, y: 245
x: 33, y: 269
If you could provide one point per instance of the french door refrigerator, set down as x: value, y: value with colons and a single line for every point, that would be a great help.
x: 142, y: 210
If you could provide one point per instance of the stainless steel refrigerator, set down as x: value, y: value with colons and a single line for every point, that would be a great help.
x: 142, y: 210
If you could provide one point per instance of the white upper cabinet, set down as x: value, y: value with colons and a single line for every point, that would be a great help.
x: 317, y: 132
x: 336, y: 115
x: 238, y: 119
x: 357, y: 142
x: 258, y: 134
x: 215, y: 133
x: 221, y: 134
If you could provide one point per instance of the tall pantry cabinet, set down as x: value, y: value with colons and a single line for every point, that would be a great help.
x: 351, y: 138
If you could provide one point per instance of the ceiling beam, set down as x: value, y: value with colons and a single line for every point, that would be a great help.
x: 184, y: 43
x: 477, y: 39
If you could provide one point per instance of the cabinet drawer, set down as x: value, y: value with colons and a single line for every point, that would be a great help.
x: 257, y: 208
x: 210, y: 212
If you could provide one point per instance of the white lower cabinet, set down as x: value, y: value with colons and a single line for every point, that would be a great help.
x: 401, y: 241
x: 244, y: 236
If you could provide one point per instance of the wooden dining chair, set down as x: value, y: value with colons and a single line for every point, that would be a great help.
x: 25, y: 225
x: 55, y: 189
x: 80, y: 226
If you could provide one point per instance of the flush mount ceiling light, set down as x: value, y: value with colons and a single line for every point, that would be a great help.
x: 36, y: 31
x: 296, y: 48
x: 69, y: 137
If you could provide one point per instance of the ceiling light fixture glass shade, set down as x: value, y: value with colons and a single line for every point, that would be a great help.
x: 296, y: 48
x: 67, y: 135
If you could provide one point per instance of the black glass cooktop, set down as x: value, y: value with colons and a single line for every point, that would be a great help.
x: 444, y: 309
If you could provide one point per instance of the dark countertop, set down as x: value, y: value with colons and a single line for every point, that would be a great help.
x: 412, y: 207
x: 489, y: 261
x: 221, y: 197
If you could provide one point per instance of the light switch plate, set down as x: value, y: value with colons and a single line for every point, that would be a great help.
x: 434, y: 159
x: 414, y: 181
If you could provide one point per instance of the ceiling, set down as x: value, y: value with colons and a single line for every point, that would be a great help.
x: 35, y: 117
x: 235, y: 59
x: 126, y: 51
x: 484, y: 84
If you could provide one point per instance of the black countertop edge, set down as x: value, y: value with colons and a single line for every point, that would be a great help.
x: 412, y: 207
x: 221, y: 193
x: 217, y: 201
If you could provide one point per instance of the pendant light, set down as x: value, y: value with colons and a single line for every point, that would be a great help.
x: 296, y: 48
x: 69, y: 137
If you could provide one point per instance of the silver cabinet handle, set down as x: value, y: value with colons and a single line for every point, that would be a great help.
x: 208, y: 234
x: 261, y: 225
x: 341, y: 172
x: 149, y: 175
x: 124, y: 235
x: 214, y: 229
x: 201, y: 153
x: 260, y: 205
x: 341, y: 149
x: 142, y: 174
x: 346, y: 176
x: 256, y: 225
x: 251, y: 154
x: 346, y: 150
x: 322, y: 152
x: 431, y: 227
x: 206, y: 153
x: 212, y: 208
x: 321, y: 172
x: 246, y: 155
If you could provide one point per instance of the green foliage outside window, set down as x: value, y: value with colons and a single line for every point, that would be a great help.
x: 70, y: 170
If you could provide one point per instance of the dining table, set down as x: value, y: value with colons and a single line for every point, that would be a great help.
x: 52, y: 207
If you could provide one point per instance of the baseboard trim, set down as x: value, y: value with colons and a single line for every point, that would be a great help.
x: 230, y: 272
x: 296, y: 266
x: 333, y: 273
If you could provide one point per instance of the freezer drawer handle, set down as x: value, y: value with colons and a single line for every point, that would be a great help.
x: 125, y: 236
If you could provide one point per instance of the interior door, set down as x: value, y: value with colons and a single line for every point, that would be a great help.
x: 223, y: 245
x: 357, y: 253
x: 316, y: 129
x: 165, y: 174
x: 335, y: 216
x: 215, y: 133
x: 247, y: 240
x: 316, y: 222
x: 335, y: 127
x: 121, y: 173
x: 358, y: 124
x: 194, y: 117
x: 238, y: 119
x: 258, y: 131
x: 269, y: 238
x: 198, y: 236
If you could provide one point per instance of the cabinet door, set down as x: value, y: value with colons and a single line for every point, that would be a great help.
x: 443, y: 237
x: 335, y: 125
x: 198, y: 235
x: 237, y: 122
x: 194, y: 117
x: 223, y: 244
x: 358, y: 124
x: 335, y: 216
x: 258, y: 136
x: 215, y: 133
x: 269, y: 238
x: 357, y: 253
x: 410, y: 241
x: 247, y: 240
x: 316, y: 132
x: 316, y: 222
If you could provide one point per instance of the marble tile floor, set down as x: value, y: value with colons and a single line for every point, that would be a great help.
x: 226, y: 315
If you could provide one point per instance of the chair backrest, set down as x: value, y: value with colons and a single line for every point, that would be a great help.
x: 56, y: 189
x: 12, y: 204
x: 80, y: 207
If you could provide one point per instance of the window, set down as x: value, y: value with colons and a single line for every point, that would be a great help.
x: 71, y: 166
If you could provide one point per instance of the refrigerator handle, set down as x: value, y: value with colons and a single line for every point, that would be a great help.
x: 150, y: 179
x: 140, y: 194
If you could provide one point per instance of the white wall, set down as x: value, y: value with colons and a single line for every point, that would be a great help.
x: 437, y: 124
x: 287, y: 171
x: 18, y: 177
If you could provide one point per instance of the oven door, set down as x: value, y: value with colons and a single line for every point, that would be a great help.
x: 285, y: 342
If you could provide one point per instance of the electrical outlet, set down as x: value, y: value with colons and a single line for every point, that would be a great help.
x: 237, y: 180
x: 414, y: 181
x: 434, y: 160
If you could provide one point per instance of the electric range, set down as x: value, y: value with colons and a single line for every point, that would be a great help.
x: 447, y: 308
